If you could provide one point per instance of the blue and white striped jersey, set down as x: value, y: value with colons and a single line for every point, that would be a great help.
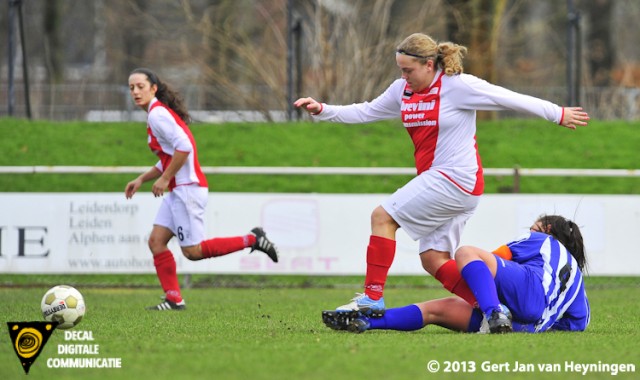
x: 567, y: 306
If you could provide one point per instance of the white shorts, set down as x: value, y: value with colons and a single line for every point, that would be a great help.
x: 182, y: 211
x: 433, y: 210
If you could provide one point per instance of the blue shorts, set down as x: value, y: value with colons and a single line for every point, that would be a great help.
x: 520, y: 289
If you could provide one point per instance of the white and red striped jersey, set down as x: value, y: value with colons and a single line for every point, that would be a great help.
x: 167, y: 134
x: 441, y: 121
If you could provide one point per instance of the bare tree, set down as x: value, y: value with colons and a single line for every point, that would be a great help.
x: 231, y: 54
x: 600, y: 48
x: 241, y: 54
x: 53, y: 49
x: 136, y: 40
x: 351, y: 61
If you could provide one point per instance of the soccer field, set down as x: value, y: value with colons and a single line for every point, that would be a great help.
x: 275, y: 332
x: 249, y: 327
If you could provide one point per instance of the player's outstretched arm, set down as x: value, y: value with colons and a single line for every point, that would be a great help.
x: 574, y: 117
x: 309, y: 104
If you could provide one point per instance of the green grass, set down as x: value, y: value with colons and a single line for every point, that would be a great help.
x: 268, y: 327
x: 275, y: 332
x: 503, y: 144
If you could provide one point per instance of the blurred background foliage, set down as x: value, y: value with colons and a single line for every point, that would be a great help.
x: 233, y: 54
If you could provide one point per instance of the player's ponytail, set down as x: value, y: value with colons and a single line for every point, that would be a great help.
x: 166, y: 94
x: 450, y: 57
x: 568, y: 233
x: 445, y: 55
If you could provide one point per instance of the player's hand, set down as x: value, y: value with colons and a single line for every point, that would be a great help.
x: 309, y: 104
x: 159, y: 186
x: 574, y: 117
x: 132, y: 187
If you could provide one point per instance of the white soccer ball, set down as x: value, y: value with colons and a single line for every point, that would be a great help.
x: 63, y: 304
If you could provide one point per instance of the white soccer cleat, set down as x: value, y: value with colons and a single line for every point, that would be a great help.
x: 365, y: 305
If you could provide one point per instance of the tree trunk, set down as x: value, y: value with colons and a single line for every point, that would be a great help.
x: 53, y: 48
x: 600, y: 52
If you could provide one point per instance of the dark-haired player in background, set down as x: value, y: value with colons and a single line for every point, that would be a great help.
x: 181, y: 213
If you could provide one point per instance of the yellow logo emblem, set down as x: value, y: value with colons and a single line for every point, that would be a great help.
x: 28, y: 340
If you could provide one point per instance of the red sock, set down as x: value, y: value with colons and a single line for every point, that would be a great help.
x: 380, y: 254
x: 166, y: 270
x: 450, y: 277
x: 223, y: 246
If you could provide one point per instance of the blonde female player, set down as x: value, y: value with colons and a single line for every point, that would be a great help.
x: 182, y: 210
x: 437, y: 104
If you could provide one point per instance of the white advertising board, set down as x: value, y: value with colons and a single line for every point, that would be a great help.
x: 319, y: 234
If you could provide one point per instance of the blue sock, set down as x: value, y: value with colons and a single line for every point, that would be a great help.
x: 481, y: 282
x: 407, y: 318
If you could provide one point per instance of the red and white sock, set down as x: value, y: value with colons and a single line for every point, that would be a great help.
x: 380, y: 254
x: 166, y: 270
x: 451, y: 279
x: 223, y: 246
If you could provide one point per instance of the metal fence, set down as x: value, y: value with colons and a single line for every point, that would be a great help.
x: 516, y: 172
x: 99, y: 102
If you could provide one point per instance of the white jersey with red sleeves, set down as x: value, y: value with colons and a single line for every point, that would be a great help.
x: 167, y: 134
x: 441, y: 121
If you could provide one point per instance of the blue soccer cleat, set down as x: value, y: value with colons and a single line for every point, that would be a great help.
x: 359, y: 325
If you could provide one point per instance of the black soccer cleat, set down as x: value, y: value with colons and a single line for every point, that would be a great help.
x: 264, y: 245
x: 499, y: 323
x: 352, y: 321
x: 341, y: 320
x: 338, y: 320
x: 166, y: 305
